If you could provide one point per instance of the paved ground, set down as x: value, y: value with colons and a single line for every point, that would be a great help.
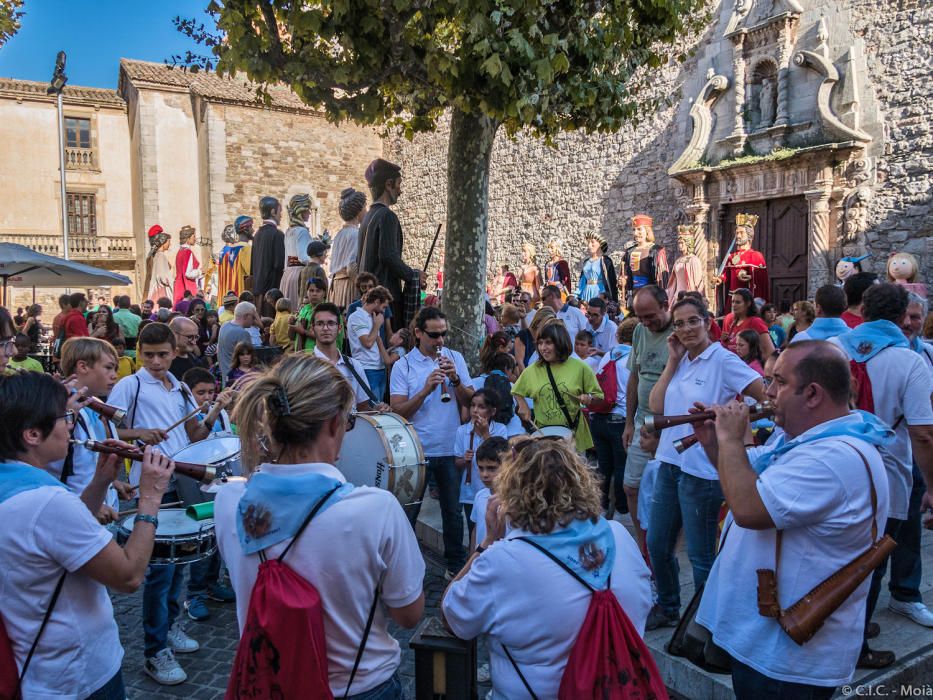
x: 209, y: 668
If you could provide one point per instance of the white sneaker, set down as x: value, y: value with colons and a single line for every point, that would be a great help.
x: 179, y: 642
x: 917, y: 612
x: 163, y: 668
x: 482, y: 673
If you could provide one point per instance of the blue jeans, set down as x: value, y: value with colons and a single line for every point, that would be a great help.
x: 160, y: 604
x: 390, y: 690
x: 682, y: 501
x: 203, y: 574
x: 111, y: 690
x: 749, y: 684
x: 447, y: 477
x: 377, y: 382
x: 906, y: 566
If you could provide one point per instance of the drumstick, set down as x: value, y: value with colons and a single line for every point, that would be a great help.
x: 195, y: 412
x: 133, y: 511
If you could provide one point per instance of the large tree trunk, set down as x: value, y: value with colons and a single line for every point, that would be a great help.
x: 470, y: 150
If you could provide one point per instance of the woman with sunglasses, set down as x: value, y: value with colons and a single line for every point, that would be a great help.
x: 687, y: 495
x: 292, y: 421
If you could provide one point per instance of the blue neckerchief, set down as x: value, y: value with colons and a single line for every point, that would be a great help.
x: 16, y: 477
x: 620, y: 352
x: 588, y: 548
x: 273, y: 507
x: 868, y: 339
x: 870, y: 429
x: 826, y: 328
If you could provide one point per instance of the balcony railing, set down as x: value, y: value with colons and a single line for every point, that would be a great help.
x: 80, y: 159
x: 79, y: 247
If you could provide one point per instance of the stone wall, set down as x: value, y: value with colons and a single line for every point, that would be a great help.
x: 598, y: 182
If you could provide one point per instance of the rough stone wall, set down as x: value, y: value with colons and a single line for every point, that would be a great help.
x: 598, y: 182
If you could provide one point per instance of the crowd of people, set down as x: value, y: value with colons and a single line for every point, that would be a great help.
x: 546, y: 446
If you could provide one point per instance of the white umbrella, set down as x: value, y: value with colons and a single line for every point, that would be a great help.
x: 21, y: 266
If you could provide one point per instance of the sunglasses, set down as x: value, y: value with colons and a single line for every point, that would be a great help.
x: 434, y: 335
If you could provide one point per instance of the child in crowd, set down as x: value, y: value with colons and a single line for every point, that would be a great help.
x: 489, y: 457
x: 203, y: 388
x: 648, y: 442
x: 468, y: 439
x: 301, y: 329
x: 212, y: 321
x: 280, y: 336
x: 748, y: 347
x: 583, y: 346
x: 126, y: 365
x: 21, y: 360
x: 243, y: 363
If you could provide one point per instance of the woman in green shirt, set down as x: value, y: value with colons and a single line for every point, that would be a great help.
x: 574, y: 379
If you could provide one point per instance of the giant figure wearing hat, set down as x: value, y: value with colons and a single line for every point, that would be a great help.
x: 744, y: 267
x: 235, y: 261
x: 599, y: 274
x: 268, y: 253
x: 158, y: 266
x: 188, y: 272
x: 644, y: 262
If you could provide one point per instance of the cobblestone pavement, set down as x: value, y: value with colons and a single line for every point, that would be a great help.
x: 209, y: 668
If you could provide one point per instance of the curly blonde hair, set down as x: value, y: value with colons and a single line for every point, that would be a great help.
x: 547, y: 485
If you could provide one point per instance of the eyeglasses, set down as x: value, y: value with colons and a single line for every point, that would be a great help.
x: 69, y: 417
x: 692, y: 322
x: 325, y: 324
x: 767, y: 381
x: 190, y: 338
x: 434, y: 335
x: 351, y: 421
x: 8, y: 346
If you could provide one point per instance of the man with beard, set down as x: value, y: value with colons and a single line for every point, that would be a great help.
x: 380, y: 246
x: 268, y: 260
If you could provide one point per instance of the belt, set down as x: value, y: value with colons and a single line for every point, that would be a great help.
x: 294, y: 262
x: 609, y: 417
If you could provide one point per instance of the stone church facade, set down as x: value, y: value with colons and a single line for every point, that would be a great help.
x: 812, y: 114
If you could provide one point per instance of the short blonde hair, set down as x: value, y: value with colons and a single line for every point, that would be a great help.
x: 283, y: 304
x: 288, y: 405
x: 542, y: 316
x: 89, y: 350
x: 509, y: 314
x: 547, y: 485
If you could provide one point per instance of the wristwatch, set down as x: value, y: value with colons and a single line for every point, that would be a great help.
x: 455, y: 382
x: 143, y: 518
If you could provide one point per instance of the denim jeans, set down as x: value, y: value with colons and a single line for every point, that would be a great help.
x: 203, y: 574
x: 749, y: 684
x: 111, y: 690
x: 377, y: 382
x: 160, y: 604
x: 610, y: 456
x: 447, y: 477
x: 892, y: 527
x: 906, y: 565
x: 390, y: 690
x: 681, y: 501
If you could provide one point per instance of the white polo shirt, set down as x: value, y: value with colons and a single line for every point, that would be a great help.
x: 435, y: 422
x: 360, y: 323
x: 818, y: 495
x: 344, y: 562
x: 148, y: 404
x: 604, y: 337
x: 574, y: 319
x: 537, y: 622
x: 46, y: 531
x: 901, y: 386
x: 715, y: 376
x: 358, y: 390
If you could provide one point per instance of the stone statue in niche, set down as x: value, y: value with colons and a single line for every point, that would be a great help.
x: 767, y: 103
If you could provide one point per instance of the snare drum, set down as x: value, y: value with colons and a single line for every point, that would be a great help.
x: 222, y: 452
x: 554, y: 430
x: 178, y: 539
x: 384, y: 451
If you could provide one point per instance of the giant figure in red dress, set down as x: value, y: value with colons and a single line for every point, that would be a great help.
x: 746, y: 268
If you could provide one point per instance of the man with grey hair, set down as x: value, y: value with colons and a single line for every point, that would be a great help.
x: 236, y: 331
x: 186, y: 346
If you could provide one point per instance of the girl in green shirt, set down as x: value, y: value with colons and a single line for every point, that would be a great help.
x: 302, y: 329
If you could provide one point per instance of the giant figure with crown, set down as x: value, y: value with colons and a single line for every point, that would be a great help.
x: 745, y: 268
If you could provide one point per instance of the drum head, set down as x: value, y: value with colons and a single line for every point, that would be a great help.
x: 210, y: 451
x: 554, y: 430
x: 173, y: 522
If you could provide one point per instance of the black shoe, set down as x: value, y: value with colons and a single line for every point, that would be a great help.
x: 874, y: 658
x: 659, y: 617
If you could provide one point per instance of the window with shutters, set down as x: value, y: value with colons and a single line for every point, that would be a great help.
x: 82, y: 214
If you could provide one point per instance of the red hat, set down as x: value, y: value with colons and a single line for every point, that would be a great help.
x: 154, y: 231
x: 641, y: 220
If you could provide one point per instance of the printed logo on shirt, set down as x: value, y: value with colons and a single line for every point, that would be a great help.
x: 699, y: 382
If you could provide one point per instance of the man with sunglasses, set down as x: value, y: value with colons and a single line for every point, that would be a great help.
x: 419, y: 382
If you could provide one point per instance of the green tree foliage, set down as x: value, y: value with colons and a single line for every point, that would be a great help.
x: 11, y: 11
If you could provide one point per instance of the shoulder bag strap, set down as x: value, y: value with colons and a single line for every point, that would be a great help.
x: 359, y: 380
x: 555, y: 560
x: 572, y: 424
x: 519, y: 672
x: 68, y: 468
x: 359, y: 651
x: 314, y: 511
x: 45, y: 621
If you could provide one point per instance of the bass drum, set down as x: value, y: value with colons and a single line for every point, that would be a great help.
x: 384, y: 451
x: 560, y: 431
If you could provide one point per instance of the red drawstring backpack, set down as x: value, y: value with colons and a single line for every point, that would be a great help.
x: 282, y: 653
x: 609, y: 659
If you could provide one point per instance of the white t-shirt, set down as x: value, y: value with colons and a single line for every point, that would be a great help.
x: 358, y: 390
x: 435, y: 422
x: 478, y: 514
x: 574, y: 319
x: 537, y: 621
x: 901, y: 387
x: 818, y: 495
x: 343, y: 561
x: 622, y: 375
x: 360, y: 323
x: 714, y: 377
x: 462, y: 445
x: 45, y: 531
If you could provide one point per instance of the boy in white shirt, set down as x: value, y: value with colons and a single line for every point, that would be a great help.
x: 363, y: 327
x: 489, y: 458
x: 583, y: 346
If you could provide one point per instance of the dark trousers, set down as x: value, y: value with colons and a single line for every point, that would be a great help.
x: 893, y: 528
x: 607, y: 430
x: 447, y: 477
x: 111, y: 690
x: 749, y: 684
x: 906, y: 566
x: 203, y: 574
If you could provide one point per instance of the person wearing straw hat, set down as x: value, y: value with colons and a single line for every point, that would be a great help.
x: 599, y: 274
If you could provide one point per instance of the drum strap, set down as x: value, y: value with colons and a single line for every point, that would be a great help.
x: 68, y: 469
x: 572, y: 424
x: 359, y: 380
x: 45, y: 621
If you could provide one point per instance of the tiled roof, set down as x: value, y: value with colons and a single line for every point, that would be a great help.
x: 31, y: 89
x: 209, y: 85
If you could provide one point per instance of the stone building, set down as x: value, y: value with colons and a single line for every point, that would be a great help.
x: 811, y: 114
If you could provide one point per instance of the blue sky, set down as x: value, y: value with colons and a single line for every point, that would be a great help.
x: 95, y: 34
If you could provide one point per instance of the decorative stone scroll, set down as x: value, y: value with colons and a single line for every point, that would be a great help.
x: 702, y: 117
